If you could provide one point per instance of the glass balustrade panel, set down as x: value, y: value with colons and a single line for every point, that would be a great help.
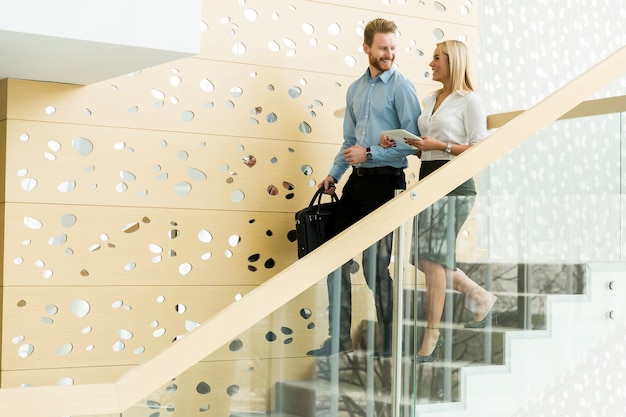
x: 543, y: 215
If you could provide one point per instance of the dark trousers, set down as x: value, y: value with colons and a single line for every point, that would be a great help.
x: 360, y: 196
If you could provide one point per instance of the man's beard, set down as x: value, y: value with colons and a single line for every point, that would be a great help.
x: 376, y: 63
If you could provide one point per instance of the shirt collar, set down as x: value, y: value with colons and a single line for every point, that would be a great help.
x: 384, y: 76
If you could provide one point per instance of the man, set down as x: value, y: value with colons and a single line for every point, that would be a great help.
x: 381, y: 99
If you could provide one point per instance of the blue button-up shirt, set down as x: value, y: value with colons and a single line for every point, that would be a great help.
x: 386, y: 102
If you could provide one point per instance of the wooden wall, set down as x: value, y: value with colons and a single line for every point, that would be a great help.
x: 131, y: 211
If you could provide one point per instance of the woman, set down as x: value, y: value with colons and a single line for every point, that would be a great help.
x: 453, y: 120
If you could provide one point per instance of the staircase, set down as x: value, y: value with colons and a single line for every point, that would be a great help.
x: 539, y: 334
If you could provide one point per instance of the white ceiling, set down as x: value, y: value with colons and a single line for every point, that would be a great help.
x: 78, y: 42
x: 45, y: 58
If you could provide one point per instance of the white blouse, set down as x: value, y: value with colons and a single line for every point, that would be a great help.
x: 461, y: 118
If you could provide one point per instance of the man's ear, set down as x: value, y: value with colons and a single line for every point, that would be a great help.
x: 366, y: 48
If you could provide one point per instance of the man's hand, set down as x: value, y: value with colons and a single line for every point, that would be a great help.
x: 387, y: 142
x: 328, y: 184
x: 355, y: 155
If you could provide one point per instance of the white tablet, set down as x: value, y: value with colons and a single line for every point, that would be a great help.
x: 398, y: 135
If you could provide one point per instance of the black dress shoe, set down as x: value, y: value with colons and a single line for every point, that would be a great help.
x: 327, y: 349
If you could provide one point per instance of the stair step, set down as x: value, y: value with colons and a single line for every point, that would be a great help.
x: 261, y: 414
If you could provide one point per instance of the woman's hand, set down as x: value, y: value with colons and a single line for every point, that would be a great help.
x: 387, y: 142
x: 428, y: 143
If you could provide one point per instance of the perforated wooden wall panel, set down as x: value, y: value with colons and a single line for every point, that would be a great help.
x: 137, y: 207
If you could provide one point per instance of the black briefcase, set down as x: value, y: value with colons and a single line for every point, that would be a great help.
x: 315, y: 224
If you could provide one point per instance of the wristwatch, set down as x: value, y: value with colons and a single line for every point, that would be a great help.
x: 368, y: 154
x: 448, y: 148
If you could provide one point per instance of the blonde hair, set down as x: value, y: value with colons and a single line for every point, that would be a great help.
x: 375, y: 26
x: 458, y: 61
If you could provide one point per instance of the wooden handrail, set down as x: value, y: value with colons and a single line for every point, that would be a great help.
x: 195, y: 346
x: 585, y: 109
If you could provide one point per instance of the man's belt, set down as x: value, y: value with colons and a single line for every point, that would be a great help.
x: 377, y: 171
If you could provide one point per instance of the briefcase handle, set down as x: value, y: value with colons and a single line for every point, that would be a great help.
x: 318, y: 194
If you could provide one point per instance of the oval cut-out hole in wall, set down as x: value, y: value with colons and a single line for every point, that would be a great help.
x: 295, y: 92
x: 182, y: 189
x: 237, y: 197
x: 52, y: 309
x: 58, y: 240
x: 187, y: 116
x: 82, y: 145
x: 207, y: 86
x: 196, y: 174
x: 80, y: 308
x: 158, y: 332
x: 184, y: 269
x: 236, y: 92
x: 273, y: 46
x: 203, y: 388
x: 250, y: 14
x: 32, y: 223
x: 64, y: 349
x: 25, y: 351
x: 235, y: 345
x: 65, y: 381
x: 272, y: 189
x: 54, y: 145
x: 234, y: 240
x: 158, y: 94
x: 190, y: 325
x: 304, y: 127
x: 205, y: 236
x: 118, y: 346
x: 127, y: 176
x: 350, y: 61
x: 125, y: 334
x: 29, y: 184
x: 334, y: 29
x: 249, y: 160
x: 239, y: 49
x: 67, y: 186
x: 131, y: 227
x: 68, y: 220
